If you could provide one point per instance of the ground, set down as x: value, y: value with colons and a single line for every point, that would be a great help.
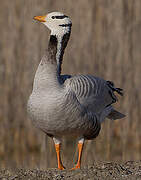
x: 99, y: 171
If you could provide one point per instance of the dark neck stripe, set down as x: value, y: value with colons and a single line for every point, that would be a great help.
x: 63, y: 46
x: 53, y: 40
x: 59, y: 17
x: 65, y: 25
x: 52, y: 50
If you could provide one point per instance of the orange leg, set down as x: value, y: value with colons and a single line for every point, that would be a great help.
x: 60, y: 165
x: 80, y: 148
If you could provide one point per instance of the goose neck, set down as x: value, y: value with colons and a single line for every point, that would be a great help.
x: 49, y: 69
x: 58, y: 43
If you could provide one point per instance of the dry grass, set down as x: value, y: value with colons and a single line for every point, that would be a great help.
x: 105, y: 41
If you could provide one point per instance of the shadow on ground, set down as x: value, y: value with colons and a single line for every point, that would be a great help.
x: 99, y: 171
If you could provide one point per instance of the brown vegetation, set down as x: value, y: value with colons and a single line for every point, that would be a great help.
x: 105, y: 41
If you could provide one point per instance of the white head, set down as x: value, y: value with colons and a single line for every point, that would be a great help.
x: 57, y: 22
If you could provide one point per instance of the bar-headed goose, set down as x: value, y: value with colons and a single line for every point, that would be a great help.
x: 65, y: 105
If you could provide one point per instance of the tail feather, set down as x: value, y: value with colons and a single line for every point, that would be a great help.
x: 115, y: 115
x: 110, y: 113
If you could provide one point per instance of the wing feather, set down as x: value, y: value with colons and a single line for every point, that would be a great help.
x: 94, y: 93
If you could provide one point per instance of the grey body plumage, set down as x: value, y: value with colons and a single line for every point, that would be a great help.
x: 68, y: 105
x: 65, y: 105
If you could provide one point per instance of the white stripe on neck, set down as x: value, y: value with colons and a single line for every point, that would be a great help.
x: 59, y: 33
x: 59, y: 47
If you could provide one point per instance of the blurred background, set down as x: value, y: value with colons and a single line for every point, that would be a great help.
x: 105, y: 42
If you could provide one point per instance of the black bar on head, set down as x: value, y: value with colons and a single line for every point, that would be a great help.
x: 65, y: 25
x: 59, y: 17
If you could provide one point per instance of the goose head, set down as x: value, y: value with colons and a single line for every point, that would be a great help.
x: 58, y: 23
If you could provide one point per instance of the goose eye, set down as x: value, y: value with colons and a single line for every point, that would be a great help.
x: 53, y: 17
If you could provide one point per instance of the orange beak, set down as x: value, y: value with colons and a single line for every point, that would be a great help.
x: 40, y: 18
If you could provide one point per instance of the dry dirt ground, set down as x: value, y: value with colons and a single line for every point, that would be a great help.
x: 99, y: 171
